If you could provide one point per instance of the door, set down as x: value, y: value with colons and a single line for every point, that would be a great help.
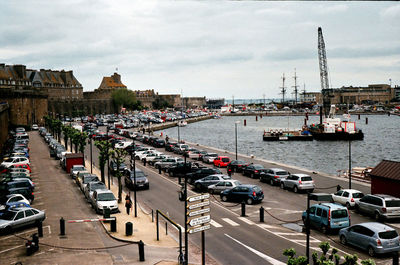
x: 337, y: 196
x: 19, y: 219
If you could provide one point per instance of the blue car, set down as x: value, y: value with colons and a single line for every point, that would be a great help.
x: 243, y: 193
x: 375, y: 238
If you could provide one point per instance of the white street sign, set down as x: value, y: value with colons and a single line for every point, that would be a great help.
x: 199, y: 220
x: 199, y: 228
x: 198, y: 205
x: 198, y: 212
x: 198, y: 197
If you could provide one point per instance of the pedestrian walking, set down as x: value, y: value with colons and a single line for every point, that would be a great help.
x: 166, y: 138
x: 128, y: 203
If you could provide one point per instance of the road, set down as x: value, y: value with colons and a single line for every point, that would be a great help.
x: 244, y: 240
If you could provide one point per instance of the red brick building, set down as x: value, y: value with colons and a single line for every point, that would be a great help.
x: 385, y: 178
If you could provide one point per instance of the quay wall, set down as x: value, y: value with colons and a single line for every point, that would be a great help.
x: 288, y: 113
x: 163, y: 126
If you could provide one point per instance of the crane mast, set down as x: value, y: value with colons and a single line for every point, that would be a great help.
x: 323, y: 68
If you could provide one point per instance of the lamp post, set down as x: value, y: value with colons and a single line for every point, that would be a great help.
x: 186, y: 221
x: 179, y: 136
x: 236, y: 123
x: 133, y: 168
x: 349, y: 164
x: 91, y: 155
x: 108, y: 161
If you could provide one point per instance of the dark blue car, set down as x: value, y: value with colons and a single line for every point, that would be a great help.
x: 243, y: 193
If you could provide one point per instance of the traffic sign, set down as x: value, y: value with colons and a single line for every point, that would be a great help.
x: 198, y: 228
x: 198, y: 205
x: 198, y: 212
x: 200, y: 197
x: 199, y: 220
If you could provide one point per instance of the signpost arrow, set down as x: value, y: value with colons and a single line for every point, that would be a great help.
x: 198, y: 228
x: 198, y: 205
x: 200, y: 220
x: 198, y: 212
x: 198, y: 197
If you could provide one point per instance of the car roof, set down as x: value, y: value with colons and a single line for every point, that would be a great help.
x: 277, y: 169
x: 247, y: 185
x: 386, y: 197
x: 301, y: 175
x: 103, y: 191
x: 351, y: 190
x: 376, y: 227
x: 332, y: 206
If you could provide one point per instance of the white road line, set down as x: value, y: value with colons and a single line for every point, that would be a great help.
x: 305, y: 241
x: 10, y: 249
x: 229, y: 221
x: 271, y: 227
x: 215, y: 224
x: 25, y: 232
x: 247, y: 221
x: 290, y: 234
x: 260, y: 254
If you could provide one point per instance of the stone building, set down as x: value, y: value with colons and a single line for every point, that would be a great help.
x: 4, y: 118
x: 194, y: 102
x: 146, y: 97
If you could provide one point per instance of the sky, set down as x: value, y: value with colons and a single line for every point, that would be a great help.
x: 216, y: 49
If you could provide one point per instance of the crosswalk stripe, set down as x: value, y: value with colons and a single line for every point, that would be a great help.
x: 244, y: 219
x: 271, y: 227
x: 289, y: 234
x: 229, y: 221
x: 215, y: 224
x: 304, y: 241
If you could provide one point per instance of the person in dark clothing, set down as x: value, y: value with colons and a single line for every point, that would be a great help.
x: 128, y: 203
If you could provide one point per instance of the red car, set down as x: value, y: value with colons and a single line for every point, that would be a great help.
x: 221, y: 161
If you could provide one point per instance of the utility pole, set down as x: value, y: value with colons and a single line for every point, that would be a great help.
x: 304, y: 92
x: 295, y: 87
x: 264, y: 101
x: 283, y: 88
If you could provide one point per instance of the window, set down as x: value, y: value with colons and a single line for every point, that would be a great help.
x: 20, y: 215
x: 28, y: 213
x: 339, y: 193
x: 14, y: 199
x: 345, y: 194
x: 393, y: 203
x: 339, y: 214
x: 324, y: 213
x: 319, y: 212
x: 228, y: 184
x: 312, y: 210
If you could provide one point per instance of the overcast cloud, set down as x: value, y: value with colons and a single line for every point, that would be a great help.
x: 205, y: 48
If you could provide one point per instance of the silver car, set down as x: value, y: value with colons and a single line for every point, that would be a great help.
x: 376, y: 238
x: 223, y: 185
x: 298, y: 182
x: 20, y: 217
x: 381, y: 206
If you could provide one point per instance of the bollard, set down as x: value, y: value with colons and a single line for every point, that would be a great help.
x: 166, y: 228
x: 152, y: 216
x: 256, y: 118
x: 261, y: 116
x: 389, y: 114
x: 243, y: 209
x: 128, y: 228
x: 40, y: 229
x: 359, y: 116
x: 366, y: 120
x: 114, y: 225
x: 141, y: 250
x: 144, y: 162
x: 106, y: 212
x: 159, y: 170
x: 62, y: 227
x: 244, y: 122
x: 338, y: 187
x: 395, y: 258
x: 261, y: 214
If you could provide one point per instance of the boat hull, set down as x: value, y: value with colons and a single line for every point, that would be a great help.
x: 288, y: 138
x: 337, y: 136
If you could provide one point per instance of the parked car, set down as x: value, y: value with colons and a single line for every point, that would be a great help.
x: 203, y: 183
x: 327, y: 217
x: 26, y: 192
x: 209, y: 157
x: 35, y: 127
x: 273, y: 176
x: 193, y: 154
x: 167, y: 162
x: 159, y: 143
x: 75, y: 169
x: 375, y: 238
x: 247, y: 193
x: 142, y: 182
x: 237, y: 165
x: 17, y: 183
x: 17, y: 198
x: 347, y: 197
x: 380, y: 206
x: 298, y: 182
x: 113, y: 167
x: 104, y: 199
x: 20, y: 217
x: 253, y: 170
x: 179, y: 169
x: 201, y: 173
x: 221, y: 161
x: 223, y: 185
x: 170, y: 146
x: 87, y: 179
x: 14, y: 161
x: 91, y: 187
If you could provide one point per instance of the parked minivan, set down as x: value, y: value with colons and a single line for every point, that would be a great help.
x: 381, y: 206
x: 328, y: 217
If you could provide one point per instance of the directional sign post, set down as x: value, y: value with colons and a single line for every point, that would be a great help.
x: 199, y: 220
x: 199, y: 228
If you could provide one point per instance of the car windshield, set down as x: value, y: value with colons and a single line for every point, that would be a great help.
x: 282, y: 173
x: 139, y: 174
x: 358, y: 195
x: 106, y: 197
x: 306, y: 178
x: 393, y: 203
x: 339, y: 213
x: 97, y: 186
x: 237, y: 183
x: 258, y: 167
x: 89, y: 179
x: 78, y: 168
x: 8, y: 216
x: 388, y: 234
x: 226, y: 177
x: 225, y: 159
x: 257, y: 189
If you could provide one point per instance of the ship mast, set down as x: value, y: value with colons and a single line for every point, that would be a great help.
x: 323, y: 69
x: 295, y: 87
x: 283, y: 88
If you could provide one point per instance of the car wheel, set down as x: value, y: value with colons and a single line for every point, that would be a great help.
x: 343, y: 240
x: 295, y: 189
x: 224, y: 198
x: 282, y: 185
x: 348, y: 205
x: 211, y: 191
x: 249, y: 201
x: 190, y: 180
x: 324, y: 229
x: 7, y: 230
x: 271, y: 182
x: 377, y: 216
x: 304, y: 221
x: 371, y: 251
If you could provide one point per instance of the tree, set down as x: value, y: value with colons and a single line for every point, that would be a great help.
x: 160, y: 103
x: 58, y: 128
x: 124, y: 97
x: 103, y: 147
x: 82, y: 141
x: 118, y: 156
x: 76, y: 136
x: 65, y: 130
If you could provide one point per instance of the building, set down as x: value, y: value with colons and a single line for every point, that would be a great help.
x: 194, y: 102
x: 310, y: 97
x: 385, y: 178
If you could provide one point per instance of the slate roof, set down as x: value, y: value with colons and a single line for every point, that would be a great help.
x: 387, y: 169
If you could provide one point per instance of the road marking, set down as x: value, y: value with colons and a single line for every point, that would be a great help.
x: 305, y: 241
x: 215, y: 224
x: 247, y: 221
x: 10, y: 249
x: 229, y: 221
x: 25, y: 232
x: 271, y: 227
x: 260, y: 254
x: 290, y: 234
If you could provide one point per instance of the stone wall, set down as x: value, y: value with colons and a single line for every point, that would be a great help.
x: 85, y: 106
x: 4, y: 112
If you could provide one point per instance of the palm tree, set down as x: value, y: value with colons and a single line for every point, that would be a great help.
x: 58, y: 128
x: 118, y: 156
x: 65, y: 129
x: 103, y: 147
x: 76, y: 139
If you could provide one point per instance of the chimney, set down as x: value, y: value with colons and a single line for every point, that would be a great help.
x: 117, y: 78
x: 21, y: 70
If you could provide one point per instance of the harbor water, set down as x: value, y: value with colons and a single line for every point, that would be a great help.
x: 381, y: 141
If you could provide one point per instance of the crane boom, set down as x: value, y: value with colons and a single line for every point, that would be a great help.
x: 323, y: 68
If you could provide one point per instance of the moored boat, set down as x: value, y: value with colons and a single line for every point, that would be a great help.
x: 287, y: 135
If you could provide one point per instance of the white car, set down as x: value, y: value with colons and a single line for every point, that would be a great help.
x: 209, y: 158
x: 223, y: 185
x: 35, y: 127
x: 347, y: 197
x: 15, y: 160
x: 15, y: 198
x: 104, y: 198
x: 123, y: 145
x: 145, y: 149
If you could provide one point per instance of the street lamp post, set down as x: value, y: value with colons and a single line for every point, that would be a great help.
x: 349, y: 164
x: 133, y: 168
x: 179, y: 136
x: 108, y: 161
x: 186, y: 223
x: 91, y: 155
x: 236, y: 123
